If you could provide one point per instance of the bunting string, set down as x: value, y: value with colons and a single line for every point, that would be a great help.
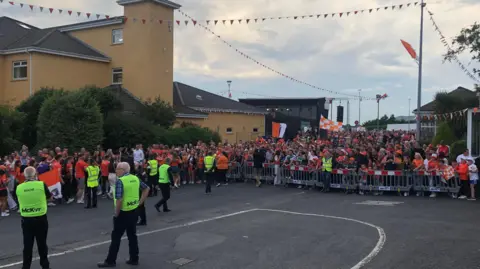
x: 211, y: 22
x: 270, y: 68
x: 449, y: 48
x: 446, y: 116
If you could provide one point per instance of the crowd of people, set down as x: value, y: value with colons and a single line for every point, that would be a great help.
x: 85, y: 175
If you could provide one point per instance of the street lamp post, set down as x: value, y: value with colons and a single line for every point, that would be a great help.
x: 229, y: 82
x: 409, y: 113
x: 359, y: 106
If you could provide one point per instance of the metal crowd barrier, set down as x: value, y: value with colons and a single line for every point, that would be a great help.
x: 346, y: 180
x: 432, y: 182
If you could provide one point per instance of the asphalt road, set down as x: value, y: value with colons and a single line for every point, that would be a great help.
x: 240, y: 226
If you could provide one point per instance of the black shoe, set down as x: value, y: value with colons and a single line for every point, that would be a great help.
x: 167, y: 210
x: 130, y: 262
x: 157, y: 208
x: 105, y: 265
x: 95, y: 206
x: 87, y: 207
x: 141, y: 224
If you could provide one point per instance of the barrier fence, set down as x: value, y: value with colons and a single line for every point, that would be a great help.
x: 347, y: 180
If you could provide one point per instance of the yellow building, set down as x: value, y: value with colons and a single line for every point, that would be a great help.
x: 118, y: 50
x: 234, y: 121
x: 130, y: 54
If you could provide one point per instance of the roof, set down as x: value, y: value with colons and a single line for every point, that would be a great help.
x: 160, y: 2
x: 15, y: 38
x: 200, y: 100
x: 458, y: 92
x: 186, y: 112
x: 282, y: 101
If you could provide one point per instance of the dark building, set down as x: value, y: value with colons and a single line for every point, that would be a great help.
x: 295, y: 112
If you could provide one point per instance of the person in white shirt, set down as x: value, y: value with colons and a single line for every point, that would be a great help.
x: 138, y: 157
x: 473, y: 171
x: 464, y: 156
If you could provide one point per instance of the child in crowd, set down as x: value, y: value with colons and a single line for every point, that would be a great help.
x: 473, y: 172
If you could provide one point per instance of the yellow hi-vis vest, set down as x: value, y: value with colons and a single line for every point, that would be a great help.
x: 163, y: 174
x: 327, y: 164
x: 93, y: 172
x: 131, y: 193
x: 31, y: 198
x: 208, y: 162
x: 153, y: 167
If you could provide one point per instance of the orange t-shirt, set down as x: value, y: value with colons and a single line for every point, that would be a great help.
x: 80, y: 169
x: 417, y: 163
x: 462, y: 170
x: 200, y: 163
x: 104, y: 168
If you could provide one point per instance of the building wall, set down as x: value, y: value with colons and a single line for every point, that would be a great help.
x: 49, y: 71
x: 242, y: 125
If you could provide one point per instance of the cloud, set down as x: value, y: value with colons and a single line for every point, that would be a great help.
x: 339, y: 54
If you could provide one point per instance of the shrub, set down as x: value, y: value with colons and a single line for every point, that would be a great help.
x: 11, y: 121
x: 106, y: 100
x: 126, y: 131
x: 71, y: 120
x: 159, y: 112
x: 31, y: 108
x: 457, y: 148
x: 190, y: 134
x: 445, y: 134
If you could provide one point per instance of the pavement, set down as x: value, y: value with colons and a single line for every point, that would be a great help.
x: 240, y: 226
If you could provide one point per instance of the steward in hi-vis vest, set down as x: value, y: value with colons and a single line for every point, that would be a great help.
x: 92, y: 177
x: 210, y: 167
x: 164, y: 179
x: 327, y: 166
x: 32, y: 199
x: 152, y: 171
x: 126, y: 200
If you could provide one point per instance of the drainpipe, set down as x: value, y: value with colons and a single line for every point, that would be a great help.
x: 30, y: 71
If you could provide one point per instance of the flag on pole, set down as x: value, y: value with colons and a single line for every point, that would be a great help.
x: 409, y: 49
x: 52, y: 180
x: 329, y: 125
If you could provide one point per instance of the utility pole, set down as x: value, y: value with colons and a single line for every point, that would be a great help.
x: 229, y: 82
x: 420, y: 62
x: 348, y: 112
x: 359, y: 105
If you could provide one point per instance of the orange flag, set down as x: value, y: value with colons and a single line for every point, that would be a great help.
x: 50, y: 178
x: 275, y: 129
x: 409, y: 49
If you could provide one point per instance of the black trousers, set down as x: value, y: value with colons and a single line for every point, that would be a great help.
x: 91, y: 195
x: 152, y: 183
x: 209, y: 177
x: 68, y: 188
x: 35, y: 228
x: 221, y: 176
x: 126, y: 221
x: 104, y: 184
x: 165, y: 189
x: 142, y: 214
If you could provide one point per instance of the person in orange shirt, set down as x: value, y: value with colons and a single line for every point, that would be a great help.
x: 80, y: 177
x: 462, y: 171
x: 3, y: 191
x: 222, y: 168
x: 104, y: 173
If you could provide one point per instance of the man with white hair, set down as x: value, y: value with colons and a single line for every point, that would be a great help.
x: 32, y: 197
x: 126, y: 201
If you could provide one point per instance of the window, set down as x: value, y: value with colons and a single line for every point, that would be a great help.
x: 117, y: 36
x: 229, y: 130
x: 19, y: 70
x: 117, y: 75
x: 255, y: 130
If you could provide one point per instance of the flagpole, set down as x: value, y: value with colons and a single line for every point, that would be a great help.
x: 420, y: 60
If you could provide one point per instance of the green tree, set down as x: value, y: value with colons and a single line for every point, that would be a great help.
x: 70, y: 120
x: 445, y: 134
x: 126, y: 131
x: 106, y: 100
x: 11, y: 121
x: 468, y: 40
x: 31, y: 108
x: 159, y: 112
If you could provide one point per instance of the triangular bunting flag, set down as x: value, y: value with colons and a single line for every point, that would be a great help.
x: 385, y: 8
x: 341, y: 13
x: 393, y: 7
x: 400, y: 6
x: 134, y: 19
x: 318, y: 16
x: 248, y: 20
x: 51, y: 10
x: 208, y: 22
x: 263, y: 19
x: 415, y: 3
x: 98, y: 16
x: 224, y: 21
x: 31, y: 7
x: 41, y: 9
x: 11, y: 3
x: 144, y: 21
x: 408, y: 4
x: 107, y: 17
x: 333, y: 14
x: 240, y: 21
x: 60, y: 11
x: 355, y: 12
x: 231, y: 22
x: 295, y: 17
x: 378, y: 8
x: 125, y: 20
x: 88, y: 15
x: 79, y: 13
x: 362, y: 10
x: 348, y: 13
x: 370, y: 10
x: 215, y: 21
x: 70, y: 12
x: 194, y: 22
x: 303, y: 17
x: 178, y: 22
x: 186, y: 22
x: 256, y: 20
x: 21, y: 5
x: 325, y: 15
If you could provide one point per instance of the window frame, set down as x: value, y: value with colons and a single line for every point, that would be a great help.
x: 116, y: 73
x: 23, y: 64
x: 229, y: 132
x: 113, y: 36
x: 255, y: 130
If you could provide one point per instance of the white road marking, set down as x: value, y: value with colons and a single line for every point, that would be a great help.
x: 378, y: 247
x: 363, y: 262
x: 382, y: 203
x: 140, y: 234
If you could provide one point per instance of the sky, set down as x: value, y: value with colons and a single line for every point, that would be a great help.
x: 339, y: 54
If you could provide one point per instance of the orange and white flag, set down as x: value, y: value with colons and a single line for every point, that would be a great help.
x: 329, y: 125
